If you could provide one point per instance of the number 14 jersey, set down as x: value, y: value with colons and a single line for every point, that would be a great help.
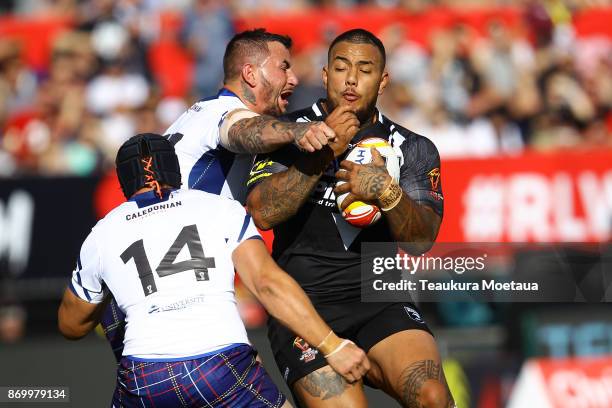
x: 168, y: 264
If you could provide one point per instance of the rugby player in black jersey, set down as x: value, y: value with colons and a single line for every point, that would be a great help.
x: 293, y: 192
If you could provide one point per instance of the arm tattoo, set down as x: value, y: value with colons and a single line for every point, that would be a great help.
x: 413, y: 224
x: 263, y: 134
x: 295, y: 131
x: 372, y: 179
x: 281, y: 195
x: 245, y: 135
x: 324, y: 384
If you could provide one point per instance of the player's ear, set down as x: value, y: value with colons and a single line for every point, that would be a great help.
x: 383, y: 83
x: 249, y: 75
x: 324, y: 76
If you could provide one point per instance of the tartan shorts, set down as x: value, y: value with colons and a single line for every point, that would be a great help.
x: 113, y: 324
x: 230, y: 377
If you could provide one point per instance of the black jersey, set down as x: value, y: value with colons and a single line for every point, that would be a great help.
x: 317, y: 246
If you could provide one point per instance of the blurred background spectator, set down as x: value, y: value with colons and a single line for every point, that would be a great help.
x: 518, y: 78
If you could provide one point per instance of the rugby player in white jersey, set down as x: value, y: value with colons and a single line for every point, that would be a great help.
x: 185, y: 344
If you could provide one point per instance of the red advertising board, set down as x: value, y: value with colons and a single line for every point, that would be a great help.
x: 564, y: 383
x: 564, y: 196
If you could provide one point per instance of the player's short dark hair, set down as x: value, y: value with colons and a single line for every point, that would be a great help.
x: 250, y: 43
x: 146, y: 158
x: 359, y: 36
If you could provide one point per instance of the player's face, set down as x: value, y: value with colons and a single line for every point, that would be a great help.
x: 277, y: 80
x: 355, y: 76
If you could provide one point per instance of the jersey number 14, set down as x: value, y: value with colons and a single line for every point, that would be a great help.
x: 198, y: 263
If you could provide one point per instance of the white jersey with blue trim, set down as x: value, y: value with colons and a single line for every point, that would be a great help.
x: 205, y: 164
x: 168, y: 263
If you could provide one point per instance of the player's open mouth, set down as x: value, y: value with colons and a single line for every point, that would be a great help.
x: 285, y: 95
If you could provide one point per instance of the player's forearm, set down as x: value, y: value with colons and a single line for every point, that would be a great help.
x: 69, y: 328
x: 279, y: 196
x: 413, y: 225
x: 73, y: 321
x: 286, y: 301
x: 263, y: 134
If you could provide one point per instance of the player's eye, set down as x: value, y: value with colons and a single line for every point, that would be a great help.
x: 366, y: 71
x: 340, y: 69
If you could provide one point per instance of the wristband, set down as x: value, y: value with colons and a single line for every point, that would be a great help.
x: 325, y: 338
x: 329, y: 343
x: 390, y: 197
x: 340, y: 347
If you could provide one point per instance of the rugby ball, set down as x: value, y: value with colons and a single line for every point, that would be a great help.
x: 359, y: 213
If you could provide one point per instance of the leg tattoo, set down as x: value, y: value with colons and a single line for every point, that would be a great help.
x: 412, y: 379
x: 325, y: 385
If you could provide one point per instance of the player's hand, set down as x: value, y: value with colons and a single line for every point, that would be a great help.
x: 350, y: 362
x: 317, y: 135
x: 346, y: 125
x: 364, y: 182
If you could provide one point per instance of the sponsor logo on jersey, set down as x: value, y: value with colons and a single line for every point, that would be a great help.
x: 151, y: 209
x: 413, y: 314
x: 434, y: 178
x: 323, y: 193
x: 308, y: 353
x: 181, y: 304
x: 259, y: 171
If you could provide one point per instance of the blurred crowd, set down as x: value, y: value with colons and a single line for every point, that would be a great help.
x: 541, y: 87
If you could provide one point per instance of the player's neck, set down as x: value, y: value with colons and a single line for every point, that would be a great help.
x: 371, y: 119
x: 147, y: 189
x: 142, y: 190
x: 246, y: 95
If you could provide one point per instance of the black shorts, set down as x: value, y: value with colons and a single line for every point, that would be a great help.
x: 364, y: 323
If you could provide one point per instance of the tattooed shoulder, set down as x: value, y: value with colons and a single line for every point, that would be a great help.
x: 245, y: 136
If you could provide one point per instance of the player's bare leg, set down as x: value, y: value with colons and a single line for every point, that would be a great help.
x: 407, y: 366
x: 326, y: 388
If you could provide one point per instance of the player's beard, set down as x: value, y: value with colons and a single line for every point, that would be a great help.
x: 270, y: 98
x: 364, y: 114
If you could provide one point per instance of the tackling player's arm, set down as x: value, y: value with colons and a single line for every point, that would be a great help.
x: 77, y: 317
x: 413, y: 208
x: 285, y: 300
x: 244, y: 131
x: 85, y: 298
x: 278, y: 196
